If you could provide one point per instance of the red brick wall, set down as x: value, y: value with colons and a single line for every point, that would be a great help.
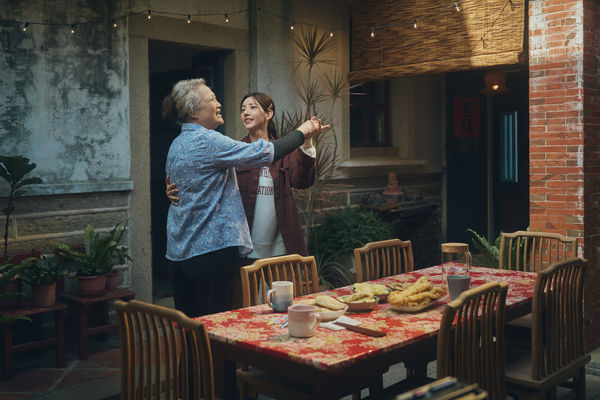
x: 564, y: 149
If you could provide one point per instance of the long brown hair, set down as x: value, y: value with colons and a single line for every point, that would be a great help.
x: 267, y: 104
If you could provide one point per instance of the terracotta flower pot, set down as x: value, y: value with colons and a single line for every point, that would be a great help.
x: 44, y: 295
x: 12, y: 302
x: 112, y: 280
x: 92, y: 285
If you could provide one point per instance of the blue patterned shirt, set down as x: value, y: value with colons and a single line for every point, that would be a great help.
x: 210, y: 215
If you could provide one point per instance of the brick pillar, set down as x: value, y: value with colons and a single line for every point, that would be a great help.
x: 564, y: 149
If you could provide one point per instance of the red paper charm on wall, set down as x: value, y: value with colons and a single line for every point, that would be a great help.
x: 466, y: 117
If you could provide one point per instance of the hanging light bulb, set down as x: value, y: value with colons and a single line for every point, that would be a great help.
x: 72, y: 28
x: 114, y: 23
x: 372, y: 32
x: 149, y: 16
x: 293, y: 25
x: 331, y: 33
x: 226, y: 18
x: 25, y: 27
x: 415, y: 23
x: 457, y: 6
x: 189, y: 19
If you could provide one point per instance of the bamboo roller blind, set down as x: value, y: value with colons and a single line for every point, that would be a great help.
x: 484, y: 33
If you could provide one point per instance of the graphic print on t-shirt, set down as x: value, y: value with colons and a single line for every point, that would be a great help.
x: 266, y: 238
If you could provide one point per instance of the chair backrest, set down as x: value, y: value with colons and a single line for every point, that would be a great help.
x: 471, y: 338
x: 557, y: 317
x: 258, y: 277
x: 164, y: 354
x: 534, y: 251
x: 385, y: 258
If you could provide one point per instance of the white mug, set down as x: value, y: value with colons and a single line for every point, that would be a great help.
x: 302, y: 320
x: 281, y: 295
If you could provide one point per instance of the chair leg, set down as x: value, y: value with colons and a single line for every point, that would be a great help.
x: 579, y: 384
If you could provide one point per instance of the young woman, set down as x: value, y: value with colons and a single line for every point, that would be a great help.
x: 208, y: 230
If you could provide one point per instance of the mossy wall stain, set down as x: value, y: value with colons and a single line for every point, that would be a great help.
x: 64, y: 98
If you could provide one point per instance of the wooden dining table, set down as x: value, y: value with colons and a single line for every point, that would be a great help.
x: 335, y: 363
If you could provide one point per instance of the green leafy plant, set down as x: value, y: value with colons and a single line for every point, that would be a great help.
x: 485, y: 254
x: 13, y: 170
x: 44, y: 271
x: 9, y: 271
x: 338, y: 233
x: 100, y: 253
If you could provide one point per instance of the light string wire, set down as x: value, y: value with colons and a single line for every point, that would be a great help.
x: 419, y: 19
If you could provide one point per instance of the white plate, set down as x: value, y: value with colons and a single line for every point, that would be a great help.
x: 411, y: 309
x: 327, y: 316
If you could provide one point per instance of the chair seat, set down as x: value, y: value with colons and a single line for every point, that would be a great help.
x: 518, y: 372
x: 405, y: 385
x: 273, y: 385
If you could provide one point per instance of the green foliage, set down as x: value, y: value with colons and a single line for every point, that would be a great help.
x: 9, y: 271
x: 485, y: 254
x: 13, y: 170
x: 101, y: 253
x: 44, y: 271
x: 338, y: 234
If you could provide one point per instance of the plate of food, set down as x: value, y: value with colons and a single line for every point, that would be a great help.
x: 416, y: 297
x: 359, y: 301
x: 328, y: 307
x: 375, y: 289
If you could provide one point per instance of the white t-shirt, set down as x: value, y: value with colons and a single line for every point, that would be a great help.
x: 266, y: 237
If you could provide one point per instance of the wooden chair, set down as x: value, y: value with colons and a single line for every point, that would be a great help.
x: 471, y: 338
x: 385, y: 258
x: 557, y: 353
x: 534, y: 251
x: 470, y: 342
x: 256, y: 280
x: 258, y: 277
x: 164, y: 354
x: 531, y: 252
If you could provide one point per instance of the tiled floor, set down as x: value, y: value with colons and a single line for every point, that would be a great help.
x: 34, y: 375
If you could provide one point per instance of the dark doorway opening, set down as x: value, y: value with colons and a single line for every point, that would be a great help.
x: 466, y: 155
x: 168, y: 64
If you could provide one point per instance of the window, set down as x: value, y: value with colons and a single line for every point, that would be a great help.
x: 509, y: 156
x: 369, y: 114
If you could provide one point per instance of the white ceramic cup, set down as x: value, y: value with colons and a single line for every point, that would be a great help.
x: 281, y: 295
x: 302, y: 320
x: 458, y: 284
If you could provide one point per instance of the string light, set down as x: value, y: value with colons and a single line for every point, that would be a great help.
x: 189, y: 19
x: 226, y: 18
x: 293, y: 25
x: 415, y: 23
x: 72, y: 28
x: 25, y: 27
x: 372, y: 32
x: 457, y: 6
x: 149, y: 16
x: 331, y: 33
x: 114, y: 23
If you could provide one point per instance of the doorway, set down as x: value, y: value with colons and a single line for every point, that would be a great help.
x: 168, y: 64
x: 466, y: 155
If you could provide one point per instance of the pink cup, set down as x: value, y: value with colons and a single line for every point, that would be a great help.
x: 302, y: 320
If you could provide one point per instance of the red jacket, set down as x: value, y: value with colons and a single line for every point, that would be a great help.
x: 295, y: 170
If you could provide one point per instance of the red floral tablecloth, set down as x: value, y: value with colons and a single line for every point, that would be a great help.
x: 259, y: 329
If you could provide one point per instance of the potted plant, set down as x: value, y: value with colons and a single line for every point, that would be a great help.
x: 100, y: 254
x: 13, y: 170
x: 42, y: 275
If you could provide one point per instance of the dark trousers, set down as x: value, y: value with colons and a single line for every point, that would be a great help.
x: 202, y: 285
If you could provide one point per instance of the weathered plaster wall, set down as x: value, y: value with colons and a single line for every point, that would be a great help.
x: 64, y: 97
